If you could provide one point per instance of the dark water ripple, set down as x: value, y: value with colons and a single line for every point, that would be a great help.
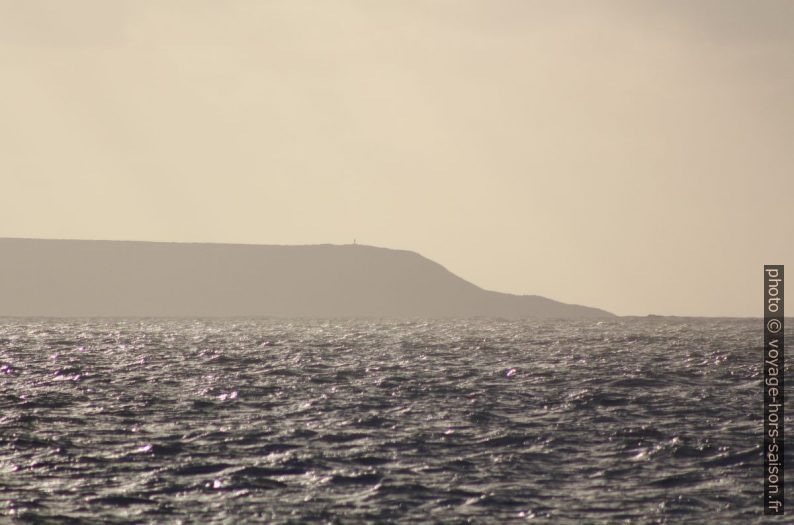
x: 165, y: 421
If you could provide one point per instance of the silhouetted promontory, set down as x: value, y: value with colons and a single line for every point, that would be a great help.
x: 120, y: 278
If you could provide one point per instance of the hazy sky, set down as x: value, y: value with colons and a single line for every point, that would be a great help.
x: 634, y: 156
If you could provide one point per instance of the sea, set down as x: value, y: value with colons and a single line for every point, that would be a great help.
x: 625, y: 420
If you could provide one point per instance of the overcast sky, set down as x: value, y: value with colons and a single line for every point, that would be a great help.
x: 634, y: 156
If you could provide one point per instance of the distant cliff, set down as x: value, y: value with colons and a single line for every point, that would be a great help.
x: 119, y: 278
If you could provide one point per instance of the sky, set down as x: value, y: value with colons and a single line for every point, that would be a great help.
x: 630, y: 155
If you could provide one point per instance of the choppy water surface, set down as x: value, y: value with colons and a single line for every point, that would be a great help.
x: 644, y: 420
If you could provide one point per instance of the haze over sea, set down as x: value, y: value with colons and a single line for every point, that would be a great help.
x: 645, y: 420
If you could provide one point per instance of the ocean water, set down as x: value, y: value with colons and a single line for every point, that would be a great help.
x: 280, y: 421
